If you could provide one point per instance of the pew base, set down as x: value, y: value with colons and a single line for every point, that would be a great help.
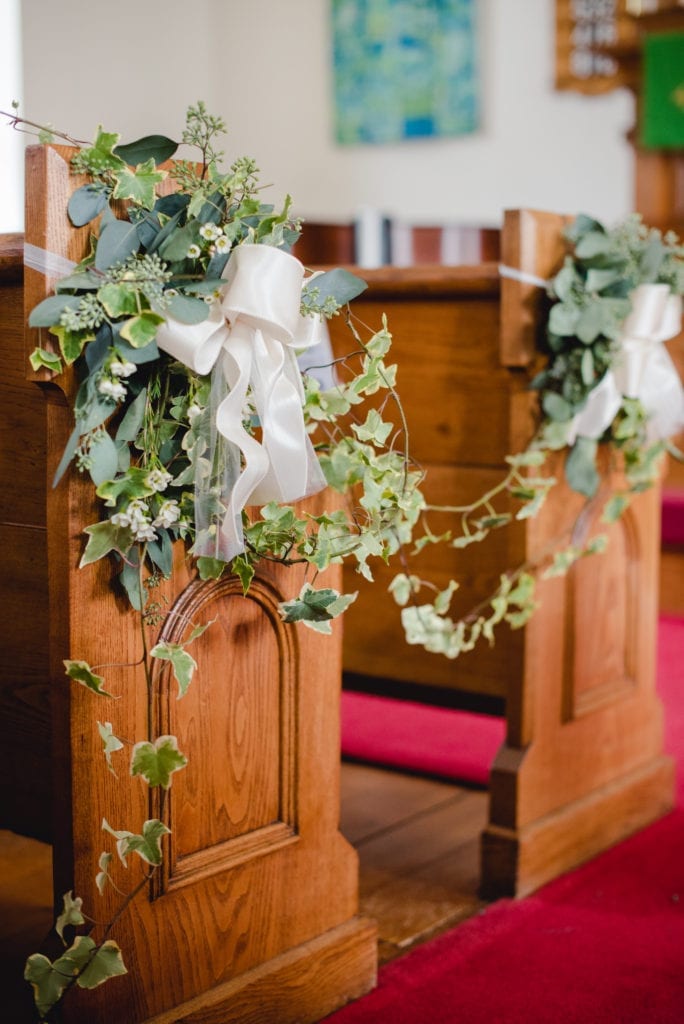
x: 516, y: 862
x: 300, y: 986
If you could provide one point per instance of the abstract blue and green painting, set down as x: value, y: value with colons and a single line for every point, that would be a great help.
x: 404, y: 69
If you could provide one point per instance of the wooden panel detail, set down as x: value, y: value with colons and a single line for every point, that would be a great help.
x: 237, y: 799
x: 600, y: 665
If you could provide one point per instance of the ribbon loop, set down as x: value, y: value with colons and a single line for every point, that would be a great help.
x: 642, y: 370
x: 250, y: 340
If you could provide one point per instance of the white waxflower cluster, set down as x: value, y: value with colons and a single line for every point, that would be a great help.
x: 111, y: 385
x: 158, y: 479
x: 136, y: 517
x: 213, y: 234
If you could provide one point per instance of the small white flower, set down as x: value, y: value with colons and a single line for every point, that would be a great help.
x: 145, y: 532
x: 222, y: 244
x: 158, y: 479
x: 112, y: 388
x: 210, y: 232
x: 193, y: 252
x: 121, y: 368
x: 169, y: 513
x: 194, y: 410
x: 121, y: 519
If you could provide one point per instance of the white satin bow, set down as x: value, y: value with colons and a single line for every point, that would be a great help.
x: 642, y: 369
x: 249, y: 344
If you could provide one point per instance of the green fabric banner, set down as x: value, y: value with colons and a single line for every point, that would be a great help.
x: 662, y: 122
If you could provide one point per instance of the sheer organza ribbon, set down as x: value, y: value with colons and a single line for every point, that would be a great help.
x: 642, y: 369
x: 249, y: 345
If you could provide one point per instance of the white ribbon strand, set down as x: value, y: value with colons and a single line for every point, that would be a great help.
x: 642, y: 369
x: 251, y: 338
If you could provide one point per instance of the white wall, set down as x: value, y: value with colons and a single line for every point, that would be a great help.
x: 264, y: 66
x: 11, y: 142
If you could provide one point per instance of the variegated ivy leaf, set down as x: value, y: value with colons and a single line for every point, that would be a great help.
x: 71, y: 914
x: 105, y: 537
x: 316, y: 608
x: 443, y: 599
x: 375, y: 429
x: 111, y: 742
x: 41, y: 357
x: 139, y: 185
x: 103, y: 874
x: 48, y: 982
x: 81, y: 672
x: 106, y: 963
x: 183, y: 664
x: 147, y: 844
x: 402, y: 586
x: 614, y: 508
x: 156, y: 762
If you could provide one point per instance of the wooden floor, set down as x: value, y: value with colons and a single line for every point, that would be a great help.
x: 418, y: 846
x: 417, y: 841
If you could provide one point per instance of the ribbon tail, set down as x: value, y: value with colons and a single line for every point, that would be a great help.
x: 237, y: 366
x: 662, y: 396
x: 599, y: 412
x: 293, y: 471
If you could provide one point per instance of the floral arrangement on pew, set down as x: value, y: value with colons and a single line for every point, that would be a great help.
x: 182, y: 326
x: 192, y: 420
x: 608, y: 383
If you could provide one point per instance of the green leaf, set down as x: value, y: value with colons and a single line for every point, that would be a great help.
x: 157, y: 148
x: 211, y: 568
x: 71, y: 343
x: 67, y: 455
x: 590, y: 323
x: 141, y: 330
x: 50, y: 360
x: 556, y: 408
x: 71, y: 914
x: 85, y: 204
x: 580, y: 466
x: 118, y: 240
x: 563, y: 319
x: 81, y: 672
x: 47, y: 983
x: 103, y: 538
x: 133, y: 485
x: 587, y: 367
x: 103, y: 874
x: 119, y: 299
x: 182, y: 663
x: 243, y: 568
x: 101, y: 154
x: 615, y: 506
x: 107, y: 963
x: 133, y: 419
x: 111, y: 742
x: 339, y: 284
x: 146, y: 844
x: 598, y: 279
x: 104, y: 458
x: 156, y: 762
x: 594, y: 243
x: 175, y: 246
x: 48, y: 312
x: 139, y: 185
x: 315, y: 608
x: 188, y: 310
x: 374, y: 429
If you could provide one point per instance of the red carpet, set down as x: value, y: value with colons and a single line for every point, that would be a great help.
x: 461, y: 746
x: 602, y: 945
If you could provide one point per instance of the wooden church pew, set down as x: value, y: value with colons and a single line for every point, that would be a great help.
x: 583, y: 764
x: 254, y: 914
